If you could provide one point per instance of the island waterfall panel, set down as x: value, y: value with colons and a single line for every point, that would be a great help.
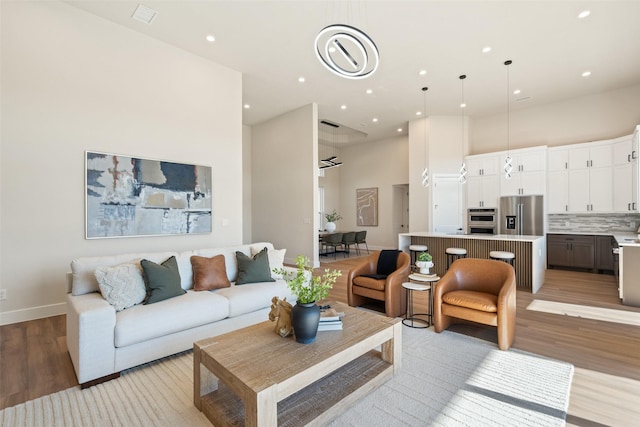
x: 477, y: 248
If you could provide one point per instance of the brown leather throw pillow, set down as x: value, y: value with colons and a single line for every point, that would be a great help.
x: 209, y: 273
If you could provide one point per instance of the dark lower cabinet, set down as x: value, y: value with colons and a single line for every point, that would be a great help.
x: 604, y: 254
x: 571, y: 251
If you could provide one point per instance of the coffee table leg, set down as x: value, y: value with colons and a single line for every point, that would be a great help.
x: 392, y: 349
x: 204, y: 382
x: 261, y: 409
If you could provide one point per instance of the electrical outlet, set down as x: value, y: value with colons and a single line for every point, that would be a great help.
x: 3, y: 294
x: 567, y: 224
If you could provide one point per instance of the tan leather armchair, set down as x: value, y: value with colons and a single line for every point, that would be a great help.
x: 479, y: 290
x: 389, y: 289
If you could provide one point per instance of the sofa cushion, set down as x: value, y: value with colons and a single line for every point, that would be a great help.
x: 83, y: 269
x: 276, y: 259
x: 144, y: 322
x: 253, y: 270
x: 472, y: 299
x: 209, y: 273
x: 254, y: 296
x: 121, y: 285
x: 162, y: 280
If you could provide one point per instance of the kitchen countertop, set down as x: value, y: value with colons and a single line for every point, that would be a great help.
x: 475, y: 236
x: 624, y: 238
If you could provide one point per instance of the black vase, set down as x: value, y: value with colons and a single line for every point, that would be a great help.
x: 305, y: 319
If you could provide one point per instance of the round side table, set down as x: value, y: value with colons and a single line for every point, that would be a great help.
x: 410, y: 318
x: 425, y: 280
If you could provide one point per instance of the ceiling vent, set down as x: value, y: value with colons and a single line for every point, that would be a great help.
x: 144, y: 14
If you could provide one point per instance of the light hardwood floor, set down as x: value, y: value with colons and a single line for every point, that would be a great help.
x: 606, y: 384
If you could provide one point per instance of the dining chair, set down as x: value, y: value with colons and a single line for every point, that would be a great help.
x: 361, y: 238
x: 333, y: 240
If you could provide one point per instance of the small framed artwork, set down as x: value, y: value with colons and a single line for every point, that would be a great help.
x: 133, y: 197
x: 367, y: 206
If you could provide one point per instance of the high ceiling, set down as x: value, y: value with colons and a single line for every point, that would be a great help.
x: 272, y: 44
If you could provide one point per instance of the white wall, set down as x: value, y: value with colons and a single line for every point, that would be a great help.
x: 73, y: 82
x: 247, y: 232
x: 591, y: 118
x: 285, y: 182
x: 444, y: 151
x: 381, y: 164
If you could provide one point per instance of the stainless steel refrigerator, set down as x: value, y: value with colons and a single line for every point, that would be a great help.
x: 521, y: 215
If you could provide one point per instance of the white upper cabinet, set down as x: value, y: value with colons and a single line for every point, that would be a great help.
x: 528, y: 175
x: 483, y: 164
x: 558, y: 180
x: 482, y: 182
x: 625, y: 174
x: 591, y: 177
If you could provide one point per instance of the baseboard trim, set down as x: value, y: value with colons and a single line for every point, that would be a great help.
x: 33, y: 313
x: 99, y: 380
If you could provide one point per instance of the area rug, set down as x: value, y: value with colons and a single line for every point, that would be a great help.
x: 586, y: 312
x: 445, y: 379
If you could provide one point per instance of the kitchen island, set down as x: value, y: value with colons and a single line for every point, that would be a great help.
x: 530, y: 252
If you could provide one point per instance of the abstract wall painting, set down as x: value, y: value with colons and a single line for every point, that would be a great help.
x: 134, y: 197
x: 367, y: 206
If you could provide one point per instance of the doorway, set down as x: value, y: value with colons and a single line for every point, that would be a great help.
x: 447, y: 204
x: 400, y: 205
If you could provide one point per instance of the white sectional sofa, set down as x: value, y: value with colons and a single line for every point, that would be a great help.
x: 102, y: 341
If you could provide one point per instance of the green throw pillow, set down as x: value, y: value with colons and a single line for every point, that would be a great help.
x: 162, y: 281
x: 253, y: 270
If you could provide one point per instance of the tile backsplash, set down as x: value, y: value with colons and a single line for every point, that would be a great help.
x: 593, y: 223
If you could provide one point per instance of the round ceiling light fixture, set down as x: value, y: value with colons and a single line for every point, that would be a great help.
x: 347, y: 52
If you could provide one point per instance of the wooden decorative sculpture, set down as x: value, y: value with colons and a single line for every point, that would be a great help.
x: 281, y: 314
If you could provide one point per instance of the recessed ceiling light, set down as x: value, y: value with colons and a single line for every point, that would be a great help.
x: 344, y: 107
x: 584, y: 14
x: 486, y: 49
x: 210, y: 38
x: 516, y: 92
x: 463, y: 105
x: 374, y: 120
x: 586, y: 74
x: 418, y: 113
x: 301, y: 79
x: 247, y: 106
x: 399, y: 129
x: 423, y: 72
x: 369, y: 91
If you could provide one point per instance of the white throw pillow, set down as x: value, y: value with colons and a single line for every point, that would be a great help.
x: 122, y: 285
x: 276, y: 259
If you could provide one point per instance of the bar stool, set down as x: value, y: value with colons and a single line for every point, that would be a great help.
x: 454, y: 254
x: 508, y: 257
x: 414, y: 250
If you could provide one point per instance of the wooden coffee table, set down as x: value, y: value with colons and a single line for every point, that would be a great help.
x: 256, y: 376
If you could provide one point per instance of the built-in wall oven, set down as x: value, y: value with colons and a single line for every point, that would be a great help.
x: 482, y: 221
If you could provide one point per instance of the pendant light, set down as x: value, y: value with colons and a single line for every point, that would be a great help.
x: 425, y: 171
x: 329, y: 161
x: 508, y: 161
x: 463, y: 167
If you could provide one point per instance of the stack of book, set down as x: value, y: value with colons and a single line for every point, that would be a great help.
x: 330, y: 320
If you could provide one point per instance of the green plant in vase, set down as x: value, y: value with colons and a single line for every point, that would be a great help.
x: 331, y: 218
x: 305, y: 315
x: 424, y: 262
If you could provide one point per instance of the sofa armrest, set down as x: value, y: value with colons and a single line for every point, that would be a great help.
x: 91, y: 322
